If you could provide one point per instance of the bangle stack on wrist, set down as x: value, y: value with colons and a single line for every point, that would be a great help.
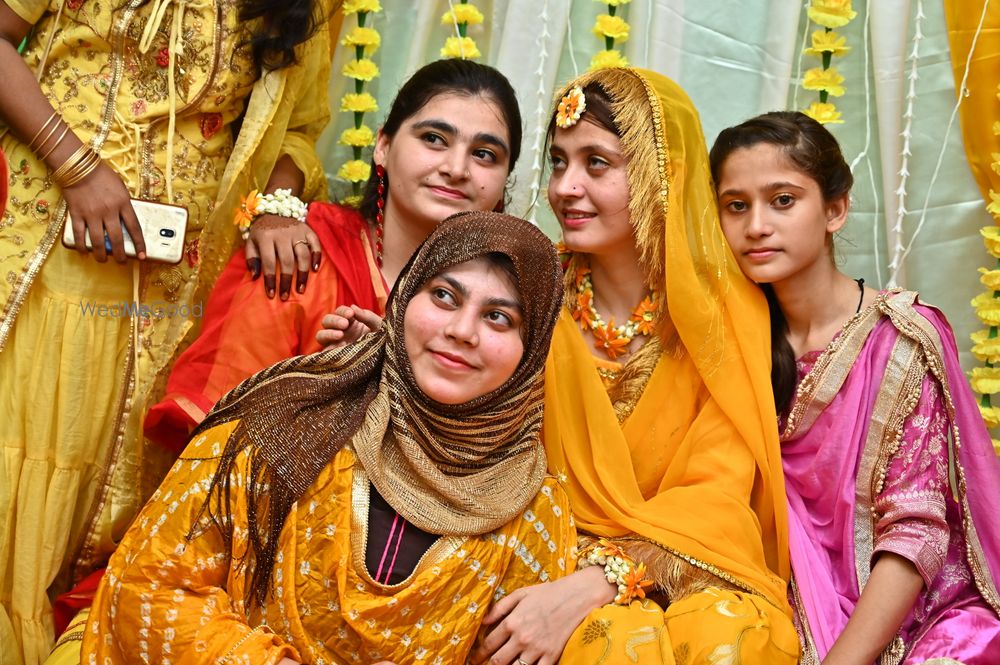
x: 74, y: 169
x: 281, y: 203
x: 77, y: 167
x: 619, y: 569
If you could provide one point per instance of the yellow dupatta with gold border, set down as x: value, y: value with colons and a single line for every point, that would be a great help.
x: 696, y: 467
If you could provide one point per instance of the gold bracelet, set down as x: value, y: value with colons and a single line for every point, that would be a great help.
x: 48, y: 136
x: 39, y: 132
x: 58, y: 174
x: 83, y: 161
x: 54, y: 145
x: 81, y: 170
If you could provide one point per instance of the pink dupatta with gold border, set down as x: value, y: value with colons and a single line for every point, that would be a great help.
x: 839, y: 439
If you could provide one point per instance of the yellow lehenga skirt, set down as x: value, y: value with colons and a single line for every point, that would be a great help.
x: 64, y: 364
x: 712, y: 627
x: 75, y: 468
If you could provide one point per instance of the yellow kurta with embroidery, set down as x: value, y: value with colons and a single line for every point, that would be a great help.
x: 74, y: 468
x: 166, y: 595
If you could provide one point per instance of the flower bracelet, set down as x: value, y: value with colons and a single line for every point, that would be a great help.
x: 281, y: 202
x: 619, y: 569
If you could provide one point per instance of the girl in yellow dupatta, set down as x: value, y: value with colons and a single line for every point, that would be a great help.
x: 670, y: 454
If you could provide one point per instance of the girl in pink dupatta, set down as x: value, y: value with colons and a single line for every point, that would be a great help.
x: 893, y: 484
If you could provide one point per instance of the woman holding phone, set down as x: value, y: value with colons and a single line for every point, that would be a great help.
x: 192, y: 104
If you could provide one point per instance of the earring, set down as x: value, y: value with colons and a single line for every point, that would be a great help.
x: 379, y: 213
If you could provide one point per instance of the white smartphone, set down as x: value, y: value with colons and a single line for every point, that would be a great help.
x: 162, y: 225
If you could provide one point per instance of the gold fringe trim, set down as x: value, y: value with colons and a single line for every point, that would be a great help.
x: 645, y: 151
x: 627, y: 388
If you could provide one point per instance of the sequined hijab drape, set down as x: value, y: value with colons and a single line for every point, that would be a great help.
x: 448, y: 469
x: 706, y: 414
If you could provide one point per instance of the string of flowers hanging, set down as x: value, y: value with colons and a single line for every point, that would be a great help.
x: 986, y: 343
x: 364, y: 40
x: 827, y: 44
x: 461, y: 16
x: 613, y: 29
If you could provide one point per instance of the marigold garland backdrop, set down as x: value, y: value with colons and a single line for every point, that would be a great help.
x: 924, y: 156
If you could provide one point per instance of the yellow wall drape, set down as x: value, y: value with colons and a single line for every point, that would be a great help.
x: 981, y: 109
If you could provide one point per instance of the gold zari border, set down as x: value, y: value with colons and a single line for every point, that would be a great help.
x: 917, y: 351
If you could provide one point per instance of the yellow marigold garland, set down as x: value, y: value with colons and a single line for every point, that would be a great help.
x: 365, y: 41
x: 461, y: 45
x: 612, y: 28
x: 986, y: 343
x: 825, y: 45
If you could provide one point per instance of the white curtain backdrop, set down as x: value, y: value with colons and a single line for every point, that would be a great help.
x: 916, y: 210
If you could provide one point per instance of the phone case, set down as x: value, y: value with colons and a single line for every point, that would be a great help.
x: 163, y: 227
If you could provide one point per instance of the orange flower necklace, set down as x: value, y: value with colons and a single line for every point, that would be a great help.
x: 608, y: 337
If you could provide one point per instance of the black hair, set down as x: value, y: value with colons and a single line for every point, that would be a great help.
x: 814, y: 151
x: 452, y: 76
x: 284, y: 24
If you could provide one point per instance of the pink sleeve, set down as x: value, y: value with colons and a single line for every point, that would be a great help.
x: 911, y: 509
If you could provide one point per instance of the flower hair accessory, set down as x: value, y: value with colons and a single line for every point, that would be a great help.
x: 571, y: 107
x: 281, y: 202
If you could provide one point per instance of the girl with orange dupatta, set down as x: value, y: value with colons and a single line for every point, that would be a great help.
x: 366, y: 503
x: 659, y: 415
x: 448, y: 143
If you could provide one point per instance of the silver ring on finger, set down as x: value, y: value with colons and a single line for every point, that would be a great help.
x: 520, y: 661
x: 300, y: 242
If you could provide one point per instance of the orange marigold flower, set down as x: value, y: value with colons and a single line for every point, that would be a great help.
x: 247, y: 211
x: 636, y: 582
x: 251, y: 202
x: 608, y: 339
x: 605, y: 547
x: 571, y: 107
x: 582, y: 313
x: 644, y: 316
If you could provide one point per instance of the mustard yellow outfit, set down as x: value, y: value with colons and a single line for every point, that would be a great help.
x: 325, y: 607
x: 674, y: 455
x: 155, y: 88
x: 276, y: 491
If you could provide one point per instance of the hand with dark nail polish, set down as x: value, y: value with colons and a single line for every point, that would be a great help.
x: 253, y: 265
x: 269, y: 285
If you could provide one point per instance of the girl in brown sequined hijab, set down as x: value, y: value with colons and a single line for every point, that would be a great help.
x: 400, y: 473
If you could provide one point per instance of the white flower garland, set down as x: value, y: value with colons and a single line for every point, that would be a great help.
x: 281, y: 202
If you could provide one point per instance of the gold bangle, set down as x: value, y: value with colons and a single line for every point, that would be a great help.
x: 54, y: 145
x: 71, y: 165
x: 39, y: 132
x: 48, y: 136
x: 70, y: 161
x: 81, y: 170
